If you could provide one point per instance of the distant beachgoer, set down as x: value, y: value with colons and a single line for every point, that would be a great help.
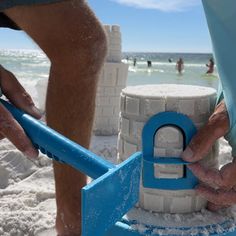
x: 149, y: 63
x: 127, y: 58
x: 135, y: 62
x: 210, y: 65
x: 180, y: 65
x: 170, y: 60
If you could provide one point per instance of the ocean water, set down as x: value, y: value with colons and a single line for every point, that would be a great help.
x: 162, y: 71
x: 31, y: 65
x: 26, y: 64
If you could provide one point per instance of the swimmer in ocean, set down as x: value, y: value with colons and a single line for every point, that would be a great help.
x: 149, y: 64
x: 180, y: 66
x: 210, y: 65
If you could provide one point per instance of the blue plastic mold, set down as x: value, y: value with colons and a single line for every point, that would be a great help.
x: 186, y: 126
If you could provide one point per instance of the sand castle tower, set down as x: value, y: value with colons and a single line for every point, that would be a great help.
x: 138, y: 105
x: 111, y: 82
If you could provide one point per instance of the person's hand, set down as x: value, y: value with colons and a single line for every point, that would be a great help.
x: 218, y: 186
x: 9, y: 127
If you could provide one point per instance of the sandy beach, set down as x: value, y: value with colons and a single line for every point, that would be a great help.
x: 27, y: 198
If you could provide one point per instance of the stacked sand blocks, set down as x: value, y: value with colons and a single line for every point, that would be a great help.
x: 138, y: 104
x: 111, y: 82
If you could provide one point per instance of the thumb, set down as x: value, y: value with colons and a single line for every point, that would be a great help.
x: 216, y: 127
x: 16, y: 94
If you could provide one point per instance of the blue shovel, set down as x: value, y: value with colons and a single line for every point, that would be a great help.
x: 115, y: 188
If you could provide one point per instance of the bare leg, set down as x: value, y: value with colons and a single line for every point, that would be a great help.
x: 74, y: 41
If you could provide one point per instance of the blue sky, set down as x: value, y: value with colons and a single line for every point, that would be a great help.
x: 146, y: 25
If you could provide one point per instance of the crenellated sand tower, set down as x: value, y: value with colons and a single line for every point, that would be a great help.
x: 112, y: 80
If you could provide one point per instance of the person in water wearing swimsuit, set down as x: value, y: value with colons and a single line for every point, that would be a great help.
x: 180, y: 66
x: 149, y: 64
x: 210, y: 65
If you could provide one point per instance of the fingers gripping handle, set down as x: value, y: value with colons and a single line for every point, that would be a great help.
x: 58, y: 147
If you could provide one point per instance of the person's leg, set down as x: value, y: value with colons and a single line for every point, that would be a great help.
x: 75, y: 42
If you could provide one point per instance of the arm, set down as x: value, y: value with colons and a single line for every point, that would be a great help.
x: 219, y: 185
x: 221, y: 17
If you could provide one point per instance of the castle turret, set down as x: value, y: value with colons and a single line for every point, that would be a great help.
x: 112, y: 80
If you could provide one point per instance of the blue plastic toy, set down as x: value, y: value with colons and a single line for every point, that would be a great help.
x: 113, y: 192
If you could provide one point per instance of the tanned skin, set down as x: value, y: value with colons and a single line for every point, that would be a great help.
x: 74, y: 41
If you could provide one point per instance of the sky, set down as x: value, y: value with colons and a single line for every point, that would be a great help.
x: 146, y: 26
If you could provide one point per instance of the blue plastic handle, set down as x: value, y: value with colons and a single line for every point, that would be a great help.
x: 58, y: 147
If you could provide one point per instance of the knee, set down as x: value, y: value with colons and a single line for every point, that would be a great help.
x: 86, y: 49
x: 94, y: 54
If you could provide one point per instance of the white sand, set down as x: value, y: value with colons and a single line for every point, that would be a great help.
x: 169, y: 90
x: 27, y: 199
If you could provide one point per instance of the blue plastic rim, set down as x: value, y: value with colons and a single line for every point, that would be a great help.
x: 133, y: 228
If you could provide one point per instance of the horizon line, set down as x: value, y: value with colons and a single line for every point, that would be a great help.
x: 126, y: 51
x: 167, y: 52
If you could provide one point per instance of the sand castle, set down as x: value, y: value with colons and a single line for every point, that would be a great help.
x: 138, y: 105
